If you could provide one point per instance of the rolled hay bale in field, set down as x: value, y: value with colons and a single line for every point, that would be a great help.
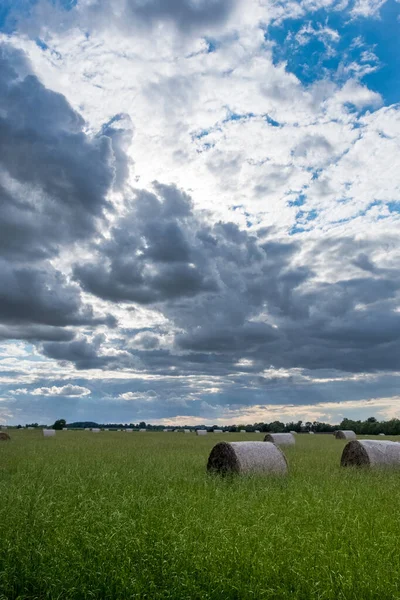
x: 382, y: 434
x: 87, y: 428
x: 201, y: 431
x: 65, y: 428
x: 128, y: 430
x: 143, y: 430
x: 186, y: 431
x: 242, y: 431
x: 49, y: 432
x: 247, y: 457
x: 3, y: 427
x: 95, y: 430
x: 257, y: 431
x: 30, y: 428
x: 293, y: 432
x: 218, y: 431
x: 345, y: 434
x: 4, y: 437
x: 311, y: 432
x: 371, y: 453
x: 281, y: 439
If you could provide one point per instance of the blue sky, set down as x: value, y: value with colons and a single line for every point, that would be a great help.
x: 200, y: 206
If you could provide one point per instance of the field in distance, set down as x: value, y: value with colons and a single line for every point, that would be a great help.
x: 118, y: 516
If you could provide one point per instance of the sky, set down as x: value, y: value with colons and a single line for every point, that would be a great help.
x: 199, y: 210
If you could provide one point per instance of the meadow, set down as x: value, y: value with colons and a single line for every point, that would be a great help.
x: 118, y: 516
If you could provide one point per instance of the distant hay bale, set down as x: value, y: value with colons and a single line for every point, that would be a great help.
x: 128, y: 430
x: 218, y: 431
x: 3, y: 427
x: 142, y: 430
x: 382, y: 434
x: 293, y: 432
x: 242, y: 431
x: 65, y: 428
x: 201, y: 431
x: 311, y: 432
x: 246, y: 457
x: 87, y: 428
x: 257, y: 431
x: 345, y: 434
x: 95, y: 430
x: 4, y: 437
x: 371, y: 453
x: 186, y: 431
x: 30, y: 428
x: 281, y: 439
x: 49, y: 432
x: 166, y: 430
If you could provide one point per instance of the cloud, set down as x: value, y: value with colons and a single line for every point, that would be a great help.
x: 54, y: 178
x: 150, y: 395
x: 264, y: 258
x: 65, y: 390
x: 160, y: 260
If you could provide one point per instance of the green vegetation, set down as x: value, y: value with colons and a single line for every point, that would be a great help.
x: 118, y: 516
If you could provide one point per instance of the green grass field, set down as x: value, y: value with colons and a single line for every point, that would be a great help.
x: 118, y: 516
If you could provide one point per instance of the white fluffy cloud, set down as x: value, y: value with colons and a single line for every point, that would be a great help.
x: 65, y: 390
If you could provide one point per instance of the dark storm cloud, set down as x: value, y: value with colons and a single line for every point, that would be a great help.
x: 255, y: 302
x: 54, y: 178
x: 54, y: 185
x: 35, y: 333
x: 83, y: 353
x: 152, y: 255
x: 37, y: 296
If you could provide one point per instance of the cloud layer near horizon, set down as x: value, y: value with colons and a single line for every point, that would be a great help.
x: 188, y: 228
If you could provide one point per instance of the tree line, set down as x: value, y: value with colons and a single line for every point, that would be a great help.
x: 370, y: 426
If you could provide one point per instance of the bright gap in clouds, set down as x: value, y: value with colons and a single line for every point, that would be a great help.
x: 199, y: 210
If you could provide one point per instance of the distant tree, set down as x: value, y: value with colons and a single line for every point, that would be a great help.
x: 59, y: 424
x: 142, y: 425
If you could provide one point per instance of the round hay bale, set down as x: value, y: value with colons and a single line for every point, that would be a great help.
x: 311, y: 432
x: 217, y: 430
x: 201, y: 431
x: 4, y: 437
x: 95, y: 430
x: 382, y: 434
x: 293, y: 432
x: 257, y: 431
x: 246, y: 457
x: 345, y: 434
x: 49, y: 432
x: 143, y: 430
x: 371, y: 453
x: 242, y: 431
x: 281, y: 439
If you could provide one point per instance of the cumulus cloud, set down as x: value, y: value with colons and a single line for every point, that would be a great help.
x: 65, y: 390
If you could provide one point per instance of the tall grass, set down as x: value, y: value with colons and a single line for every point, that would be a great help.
x: 116, y: 517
